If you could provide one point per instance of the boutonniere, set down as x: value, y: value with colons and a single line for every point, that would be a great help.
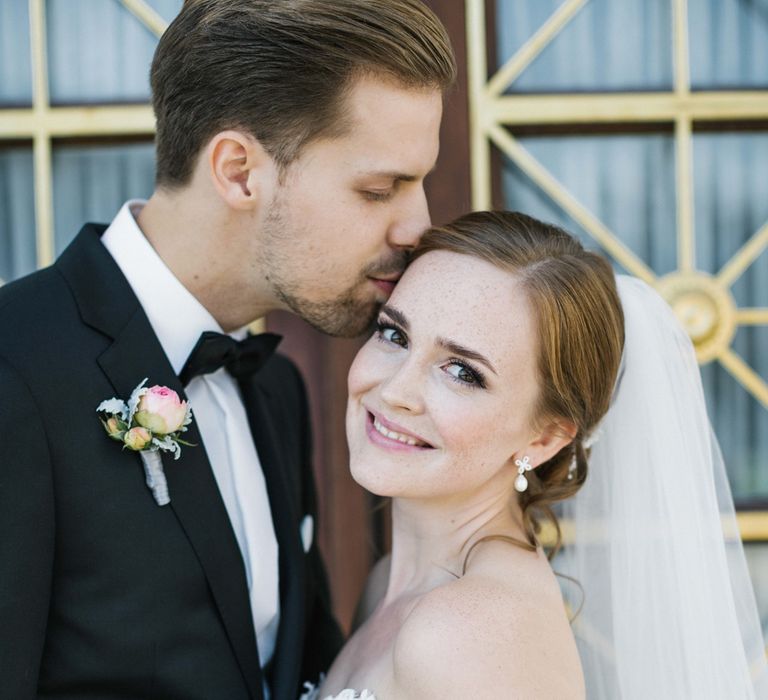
x: 150, y: 422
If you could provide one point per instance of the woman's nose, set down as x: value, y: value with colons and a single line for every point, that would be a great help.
x: 403, y: 388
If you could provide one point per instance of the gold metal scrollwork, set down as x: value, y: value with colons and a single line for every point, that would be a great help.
x: 704, y: 303
x: 42, y: 123
x: 705, y: 308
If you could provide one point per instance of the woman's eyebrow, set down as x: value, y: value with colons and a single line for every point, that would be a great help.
x: 396, y: 315
x: 457, y: 349
x: 399, y: 317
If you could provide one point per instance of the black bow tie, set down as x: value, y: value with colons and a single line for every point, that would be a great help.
x: 240, y: 357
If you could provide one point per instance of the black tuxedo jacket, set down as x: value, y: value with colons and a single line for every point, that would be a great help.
x: 103, y: 593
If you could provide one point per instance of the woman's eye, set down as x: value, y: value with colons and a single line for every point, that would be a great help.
x: 390, y: 334
x: 464, y: 374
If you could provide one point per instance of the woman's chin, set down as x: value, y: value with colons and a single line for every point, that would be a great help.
x: 374, y: 481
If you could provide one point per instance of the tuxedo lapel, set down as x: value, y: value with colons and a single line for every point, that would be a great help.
x: 289, y: 647
x: 108, y: 304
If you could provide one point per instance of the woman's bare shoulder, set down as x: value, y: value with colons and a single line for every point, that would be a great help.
x: 501, y: 628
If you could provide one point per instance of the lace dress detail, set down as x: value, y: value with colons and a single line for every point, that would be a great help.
x: 312, y: 692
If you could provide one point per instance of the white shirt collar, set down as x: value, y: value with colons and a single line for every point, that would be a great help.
x: 176, y: 316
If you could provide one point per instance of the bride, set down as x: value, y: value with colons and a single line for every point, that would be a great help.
x: 504, y: 353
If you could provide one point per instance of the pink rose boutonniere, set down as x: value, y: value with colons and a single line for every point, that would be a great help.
x: 150, y: 422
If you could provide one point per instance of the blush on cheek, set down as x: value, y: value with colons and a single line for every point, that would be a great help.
x: 363, y: 373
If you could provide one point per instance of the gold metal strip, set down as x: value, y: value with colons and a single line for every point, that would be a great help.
x: 753, y: 525
x: 147, y: 15
x: 531, y: 109
x: 680, y: 44
x: 686, y: 246
x: 751, y: 317
x: 650, y: 107
x: 534, y: 46
x: 42, y: 143
x: 43, y: 200
x: 62, y: 122
x: 544, y: 179
x: 477, y: 72
x: 745, y: 375
x: 744, y: 257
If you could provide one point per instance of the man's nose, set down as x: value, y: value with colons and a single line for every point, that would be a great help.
x: 412, y: 222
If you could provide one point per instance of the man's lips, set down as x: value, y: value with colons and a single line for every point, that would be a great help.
x: 385, y: 285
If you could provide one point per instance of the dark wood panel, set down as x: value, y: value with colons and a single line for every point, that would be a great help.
x: 344, y: 527
x: 353, y: 530
x: 448, y: 188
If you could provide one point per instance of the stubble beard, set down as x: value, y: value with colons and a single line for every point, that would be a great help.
x: 348, y: 315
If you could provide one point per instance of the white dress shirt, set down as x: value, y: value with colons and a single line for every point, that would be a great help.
x: 178, y: 319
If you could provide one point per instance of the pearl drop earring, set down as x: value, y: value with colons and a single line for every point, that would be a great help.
x: 524, y: 465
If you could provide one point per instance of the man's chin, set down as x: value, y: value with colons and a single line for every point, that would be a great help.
x: 349, y: 315
x: 341, y: 319
x: 354, y: 326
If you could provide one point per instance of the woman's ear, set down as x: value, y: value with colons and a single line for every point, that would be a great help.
x: 550, y: 441
x: 238, y: 165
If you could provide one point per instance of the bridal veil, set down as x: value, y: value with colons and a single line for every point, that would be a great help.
x: 667, y: 607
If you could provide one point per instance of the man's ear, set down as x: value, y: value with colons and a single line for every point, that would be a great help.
x: 239, y: 168
x: 547, y: 443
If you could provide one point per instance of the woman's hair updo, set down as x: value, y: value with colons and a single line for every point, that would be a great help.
x: 580, y: 326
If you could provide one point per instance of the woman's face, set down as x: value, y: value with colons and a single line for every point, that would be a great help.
x: 441, y: 397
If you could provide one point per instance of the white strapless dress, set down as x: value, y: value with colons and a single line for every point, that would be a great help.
x: 312, y: 692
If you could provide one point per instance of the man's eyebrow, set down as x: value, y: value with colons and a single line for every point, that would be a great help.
x: 394, y: 175
x: 454, y: 348
x: 396, y: 315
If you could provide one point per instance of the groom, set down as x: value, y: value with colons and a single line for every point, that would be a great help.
x: 292, y: 143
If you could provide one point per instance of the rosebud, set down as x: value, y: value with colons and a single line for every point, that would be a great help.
x: 161, y: 411
x: 113, y: 428
x: 137, y: 438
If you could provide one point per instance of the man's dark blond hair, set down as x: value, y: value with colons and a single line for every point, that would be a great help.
x: 281, y: 69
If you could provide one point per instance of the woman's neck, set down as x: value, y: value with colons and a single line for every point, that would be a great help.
x: 431, y: 540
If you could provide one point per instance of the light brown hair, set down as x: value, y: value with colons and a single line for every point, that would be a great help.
x: 280, y: 70
x: 580, y: 326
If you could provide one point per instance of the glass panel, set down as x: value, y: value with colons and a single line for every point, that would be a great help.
x: 739, y: 420
x: 521, y: 194
x: 757, y: 561
x: 594, y: 51
x: 751, y: 288
x: 90, y: 183
x: 626, y: 181
x: 99, y: 51
x: 730, y: 194
x: 17, y: 213
x: 15, y: 60
x: 729, y: 44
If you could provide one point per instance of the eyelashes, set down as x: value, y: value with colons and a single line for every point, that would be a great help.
x: 467, y: 376
x: 387, y: 333
x: 372, y: 196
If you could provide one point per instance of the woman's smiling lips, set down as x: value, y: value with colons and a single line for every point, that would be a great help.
x: 390, y: 435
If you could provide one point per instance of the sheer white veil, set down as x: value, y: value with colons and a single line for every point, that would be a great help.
x: 667, y: 607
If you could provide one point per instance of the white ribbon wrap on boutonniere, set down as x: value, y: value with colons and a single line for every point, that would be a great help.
x: 150, y: 422
x: 155, y: 476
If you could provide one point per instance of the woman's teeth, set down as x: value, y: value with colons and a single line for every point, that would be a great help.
x: 392, y: 435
